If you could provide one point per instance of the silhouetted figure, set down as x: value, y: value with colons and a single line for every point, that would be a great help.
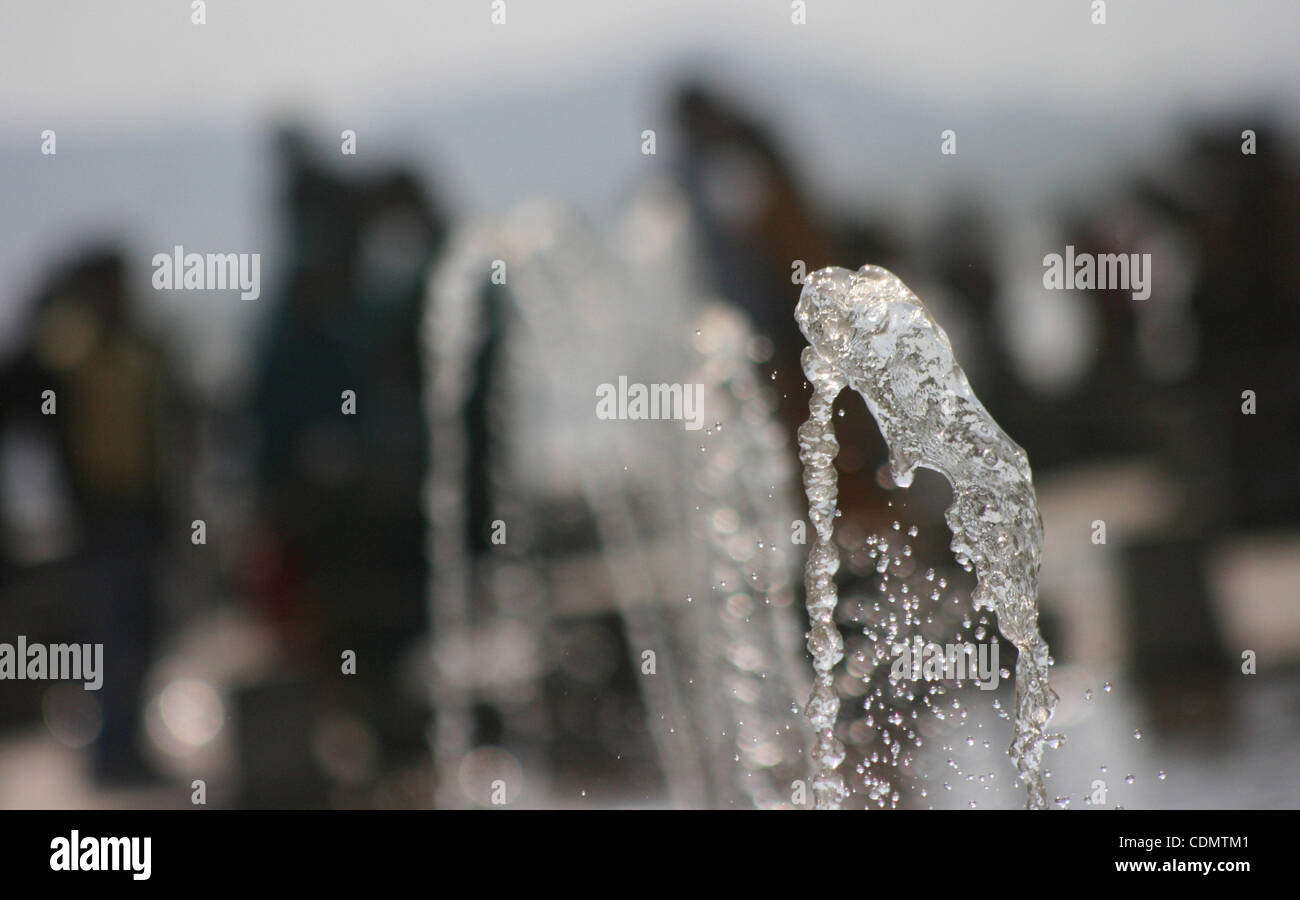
x: 111, y: 387
x: 1221, y: 227
x: 1244, y: 217
x: 757, y: 223
x: 343, y: 450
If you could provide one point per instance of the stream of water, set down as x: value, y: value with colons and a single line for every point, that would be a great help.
x: 867, y: 331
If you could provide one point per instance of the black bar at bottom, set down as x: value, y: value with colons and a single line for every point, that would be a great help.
x: 600, y: 852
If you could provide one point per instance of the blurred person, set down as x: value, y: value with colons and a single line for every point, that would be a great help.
x: 757, y: 221
x: 343, y: 564
x: 1167, y: 383
x: 113, y: 392
x: 1243, y: 213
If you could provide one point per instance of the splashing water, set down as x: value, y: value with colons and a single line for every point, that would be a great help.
x: 744, y: 482
x: 560, y: 277
x: 817, y: 449
x: 868, y: 331
x: 718, y: 710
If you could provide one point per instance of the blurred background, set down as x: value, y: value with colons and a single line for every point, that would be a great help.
x: 654, y: 177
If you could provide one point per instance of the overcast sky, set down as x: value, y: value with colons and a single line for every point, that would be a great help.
x: 116, y: 62
x: 161, y: 123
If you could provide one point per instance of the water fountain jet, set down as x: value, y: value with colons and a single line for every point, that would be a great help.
x: 867, y: 331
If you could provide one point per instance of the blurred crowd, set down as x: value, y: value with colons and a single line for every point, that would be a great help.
x: 101, y: 498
